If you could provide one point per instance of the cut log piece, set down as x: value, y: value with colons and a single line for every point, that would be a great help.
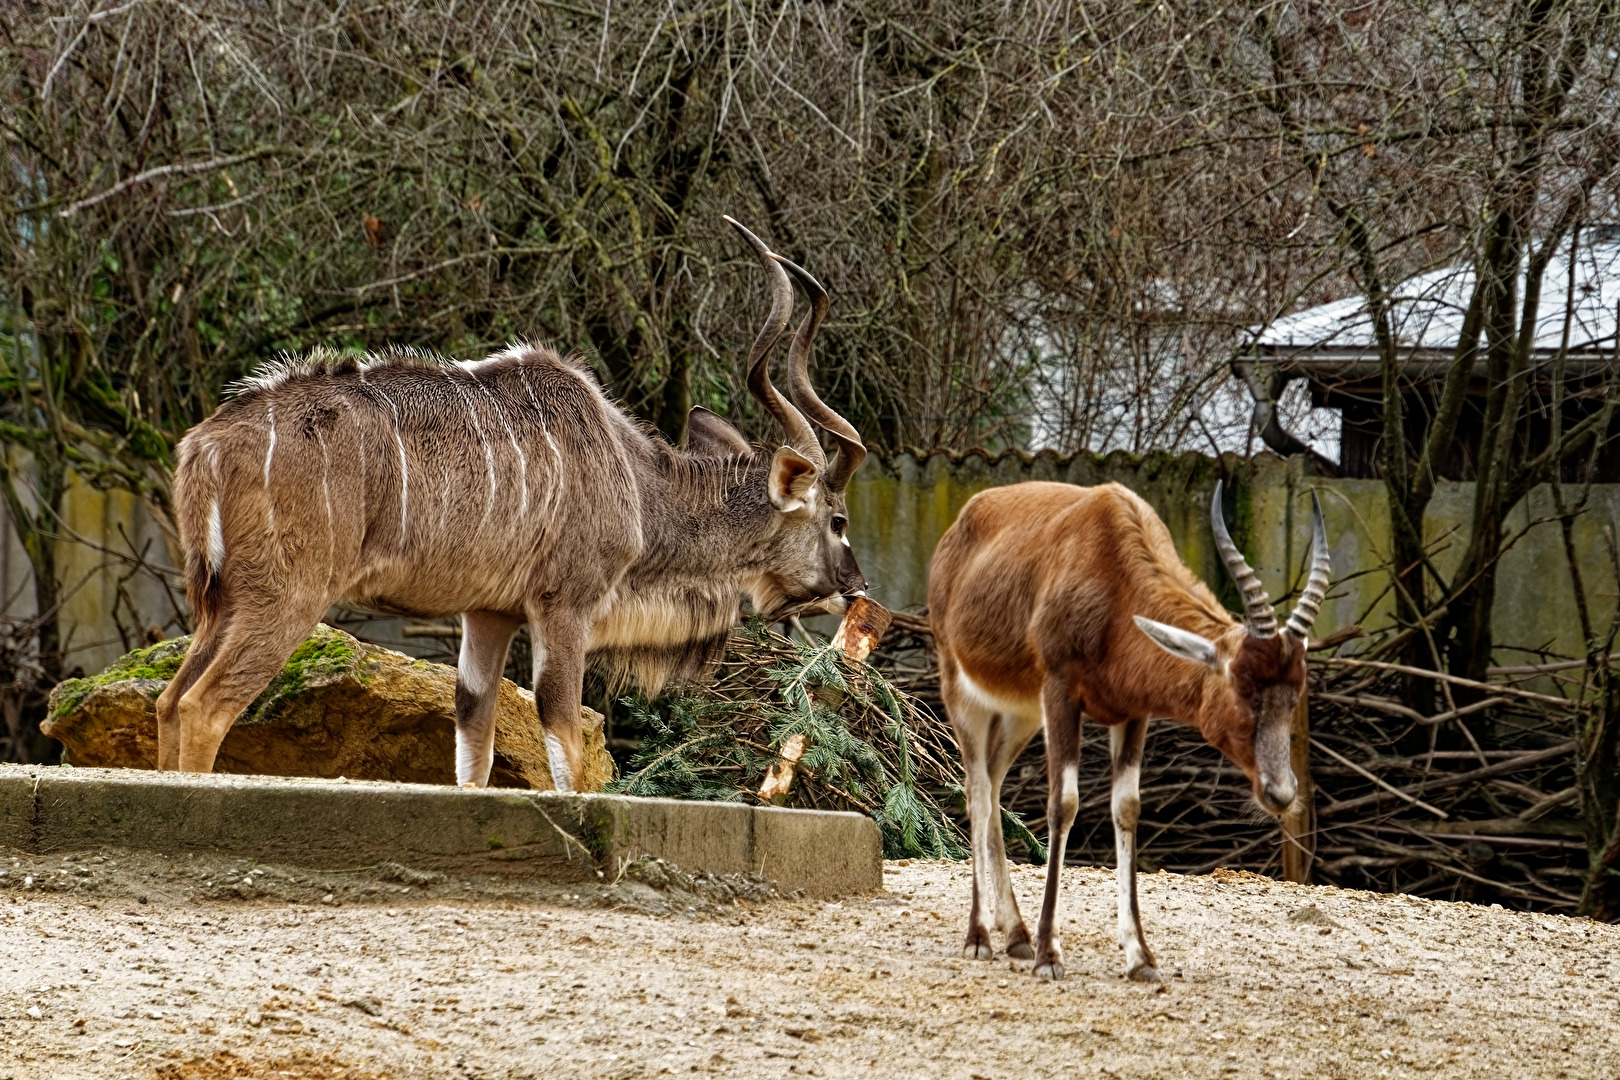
x: 779, y: 778
x: 862, y: 628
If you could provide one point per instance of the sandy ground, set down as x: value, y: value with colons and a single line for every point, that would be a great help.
x: 468, y: 979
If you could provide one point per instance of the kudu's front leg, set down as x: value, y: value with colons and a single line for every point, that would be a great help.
x: 485, y: 638
x: 1061, y: 717
x: 559, y: 641
x: 1125, y: 746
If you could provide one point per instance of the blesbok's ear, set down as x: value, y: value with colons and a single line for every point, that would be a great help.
x: 792, y: 477
x: 709, y: 434
x: 1182, y: 643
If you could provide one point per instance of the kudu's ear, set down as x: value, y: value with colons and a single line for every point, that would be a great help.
x: 1182, y: 643
x: 711, y: 435
x: 792, y: 477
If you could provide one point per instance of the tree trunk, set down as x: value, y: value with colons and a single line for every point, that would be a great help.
x: 1299, y: 821
x: 1598, y: 773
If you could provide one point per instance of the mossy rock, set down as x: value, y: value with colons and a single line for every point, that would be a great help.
x: 338, y: 707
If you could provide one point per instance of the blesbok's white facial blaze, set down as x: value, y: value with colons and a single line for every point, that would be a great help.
x: 1050, y: 603
x: 510, y: 491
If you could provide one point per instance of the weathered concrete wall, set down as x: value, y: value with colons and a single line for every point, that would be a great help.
x: 899, y: 510
x: 116, y: 564
x: 325, y: 824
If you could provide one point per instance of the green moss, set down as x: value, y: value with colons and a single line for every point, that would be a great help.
x: 326, y: 652
x: 156, y: 662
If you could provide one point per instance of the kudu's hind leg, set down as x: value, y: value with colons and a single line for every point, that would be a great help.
x: 199, y: 654
x: 1062, y: 720
x: 1125, y: 746
x: 485, y: 638
x: 250, y: 653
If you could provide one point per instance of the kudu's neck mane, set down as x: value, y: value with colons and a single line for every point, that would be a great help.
x: 704, y: 521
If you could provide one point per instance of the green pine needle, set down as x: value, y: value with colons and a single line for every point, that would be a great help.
x: 870, y: 747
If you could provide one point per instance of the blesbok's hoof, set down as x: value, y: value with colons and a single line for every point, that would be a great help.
x: 1018, y: 946
x: 1049, y: 969
x: 1145, y: 973
x: 978, y: 945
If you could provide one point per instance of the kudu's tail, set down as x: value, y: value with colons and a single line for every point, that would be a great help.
x: 197, y: 497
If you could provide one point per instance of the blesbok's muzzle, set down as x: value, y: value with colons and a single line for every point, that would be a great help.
x: 1277, y: 794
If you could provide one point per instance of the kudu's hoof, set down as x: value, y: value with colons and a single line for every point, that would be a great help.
x: 1144, y: 973
x: 1018, y: 946
x: 1049, y: 969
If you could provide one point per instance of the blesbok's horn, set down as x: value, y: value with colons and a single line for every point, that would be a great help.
x: 851, y: 451
x: 1310, y: 601
x: 800, y: 435
x: 1256, y: 607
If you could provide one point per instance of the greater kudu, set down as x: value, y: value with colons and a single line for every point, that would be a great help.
x: 510, y: 491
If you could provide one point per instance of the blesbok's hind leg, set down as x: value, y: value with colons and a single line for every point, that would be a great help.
x: 249, y: 654
x: 972, y: 724
x: 987, y: 751
x: 1061, y: 717
x: 485, y: 638
x: 1010, y: 734
x: 558, y: 640
x: 1125, y: 746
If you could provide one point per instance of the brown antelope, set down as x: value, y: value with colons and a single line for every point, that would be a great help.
x: 1050, y: 602
x: 510, y: 491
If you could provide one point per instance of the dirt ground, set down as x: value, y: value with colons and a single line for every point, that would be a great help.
x: 114, y: 965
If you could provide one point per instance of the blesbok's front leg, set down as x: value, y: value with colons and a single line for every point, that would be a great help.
x: 485, y: 638
x: 1061, y: 717
x: 558, y: 641
x: 1125, y: 746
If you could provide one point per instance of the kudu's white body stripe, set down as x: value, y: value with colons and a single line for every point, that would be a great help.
x: 483, y: 440
x: 270, y: 450
x: 554, y: 489
x: 404, y: 469
x: 523, y: 461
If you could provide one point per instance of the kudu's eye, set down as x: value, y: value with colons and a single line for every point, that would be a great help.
x: 839, y: 524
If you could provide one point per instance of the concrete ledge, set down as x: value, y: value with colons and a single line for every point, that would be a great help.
x: 339, y: 824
